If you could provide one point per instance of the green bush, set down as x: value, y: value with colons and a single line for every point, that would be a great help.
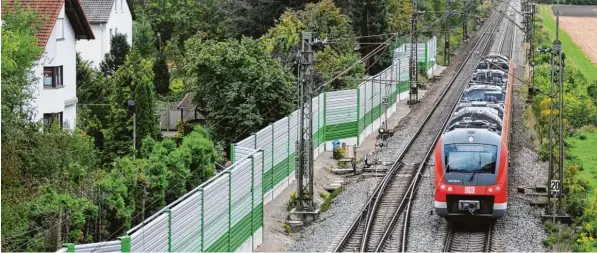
x: 339, y: 153
x: 292, y: 201
x: 329, y: 197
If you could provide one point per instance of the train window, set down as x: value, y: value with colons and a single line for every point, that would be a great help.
x: 467, y: 158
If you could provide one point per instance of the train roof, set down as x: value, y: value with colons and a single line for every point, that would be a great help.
x: 477, y: 117
x: 482, y: 104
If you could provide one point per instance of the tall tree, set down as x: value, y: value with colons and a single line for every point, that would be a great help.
x: 240, y: 87
x: 161, y: 79
x: 136, y: 72
x: 117, y: 56
x: 186, y: 18
x: 253, y: 18
x: 144, y: 38
x: 325, y: 20
x: 370, y: 22
x: 19, y: 52
x: 147, y: 120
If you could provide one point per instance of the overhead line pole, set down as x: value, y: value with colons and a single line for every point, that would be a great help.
x: 414, y: 88
x: 555, y: 211
x: 306, y: 210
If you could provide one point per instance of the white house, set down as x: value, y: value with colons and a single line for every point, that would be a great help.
x: 55, y: 92
x: 107, y: 18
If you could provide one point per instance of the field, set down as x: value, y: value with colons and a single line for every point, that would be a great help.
x: 584, y: 146
x: 583, y: 31
x: 577, y: 10
x: 577, y: 56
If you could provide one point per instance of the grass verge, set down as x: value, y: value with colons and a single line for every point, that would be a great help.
x: 573, y: 51
x: 329, y: 197
x: 583, y: 144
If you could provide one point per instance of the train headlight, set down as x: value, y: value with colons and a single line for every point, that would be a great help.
x: 490, y: 189
x: 497, y: 188
x: 450, y: 188
x: 443, y: 186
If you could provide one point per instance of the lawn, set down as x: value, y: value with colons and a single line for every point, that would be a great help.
x: 584, y: 146
x: 577, y: 57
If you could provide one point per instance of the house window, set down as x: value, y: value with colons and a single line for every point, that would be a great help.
x: 116, y: 5
x: 53, y: 77
x: 60, y: 29
x: 51, y: 118
x: 111, y: 35
x: 121, y: 10
x: 115, y: 31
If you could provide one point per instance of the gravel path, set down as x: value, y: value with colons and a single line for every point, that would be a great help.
x: 526, y: 170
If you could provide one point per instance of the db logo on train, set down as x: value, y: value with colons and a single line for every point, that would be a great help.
x: 469, y: 190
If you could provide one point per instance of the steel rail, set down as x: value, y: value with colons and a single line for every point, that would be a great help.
x: 472, y: 239
x: 449, y: 243
x: 367, y: 213
x: 407, y: 200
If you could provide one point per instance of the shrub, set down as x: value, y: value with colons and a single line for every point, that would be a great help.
x: 339, y: 153
x: 292, y: 201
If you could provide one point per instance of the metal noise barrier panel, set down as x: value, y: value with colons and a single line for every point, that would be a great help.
x: 109, y: 246
x: 224, y: 213
x: 186, y: 233
x: 153, y: 236
x: 263, y: 141
x: 216, y: 198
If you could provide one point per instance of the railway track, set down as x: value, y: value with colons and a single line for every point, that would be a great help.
x: 469, y: 239
x: 373, y: 230
x: 478, y: 238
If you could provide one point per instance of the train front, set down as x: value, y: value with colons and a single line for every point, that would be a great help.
x: 470, y: 174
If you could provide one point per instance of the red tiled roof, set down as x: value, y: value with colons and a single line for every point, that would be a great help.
x: 48, y: 11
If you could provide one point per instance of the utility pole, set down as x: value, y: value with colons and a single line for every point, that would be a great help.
x: 132, y: 107
x: 531, y: 31
x: 465, y: 22
x: 414, y: 89
x: 556, y: 137
x: 447, y: 33
x: 306, y: 210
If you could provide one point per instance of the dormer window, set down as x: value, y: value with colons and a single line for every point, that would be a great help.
x: 60, y: 29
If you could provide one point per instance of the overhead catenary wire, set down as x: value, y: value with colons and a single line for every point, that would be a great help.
x: 381, y: 48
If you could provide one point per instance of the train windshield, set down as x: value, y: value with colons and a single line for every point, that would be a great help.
x: 470, y: 158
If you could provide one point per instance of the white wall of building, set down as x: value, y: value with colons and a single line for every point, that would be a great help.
x: 58, y: 52
x: 120, y: 21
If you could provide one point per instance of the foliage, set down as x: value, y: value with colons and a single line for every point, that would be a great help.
x: 325, y: 20
x: 19, y: 51
x: 253, y: 18
x: 240, y: 88
x: 143, y: 37
x: 182, y: 19
x: 291, y: 204
x: 339, y: 153
x: 370, y: 21
x: 328, y: 198
x: 119, y: 49
x: 161, y: 78
x: 399, y: 16
x: 91, y: 92
x: 203, y: 157
x: 133, y: 81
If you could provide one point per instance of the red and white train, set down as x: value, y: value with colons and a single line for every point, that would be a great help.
x: 471, y: 156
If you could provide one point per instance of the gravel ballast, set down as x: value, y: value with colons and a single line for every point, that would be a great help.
x: 521, y: 229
